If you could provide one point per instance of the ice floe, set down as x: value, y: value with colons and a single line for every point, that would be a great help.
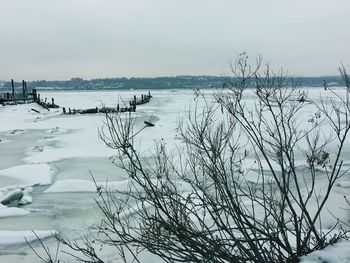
x: 30, y: 174
x: 12, y: 211
x: 18, y: 237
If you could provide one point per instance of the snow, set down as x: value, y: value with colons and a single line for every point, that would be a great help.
x: 69, y: 186
x: 12, y: 211
x: 15, y: 119
x: 338, y: 253
x: 343, y: 184
x: 2, y: 141
x: 16, y: 194
x: 18, y: 237
x: 30, y: 174
x: 258, y: 178
x: 49, y: 156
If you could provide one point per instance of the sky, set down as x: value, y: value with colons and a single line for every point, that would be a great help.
x: 61, y: 39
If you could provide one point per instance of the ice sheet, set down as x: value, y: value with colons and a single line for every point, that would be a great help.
x: 30, y: 174
x: 40, y: 142
x: 17, y: 237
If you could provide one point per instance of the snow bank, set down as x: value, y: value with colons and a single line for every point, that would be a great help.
x: 19, y: 237
x: 17, y: 118
x: 75, y: 137
x: 339, y: 253
x: 30, y: 174
x: 12, y: 211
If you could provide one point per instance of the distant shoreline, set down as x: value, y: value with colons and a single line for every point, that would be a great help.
x: 179, y: 82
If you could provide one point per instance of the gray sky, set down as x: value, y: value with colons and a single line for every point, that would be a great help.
x: 60, y: 39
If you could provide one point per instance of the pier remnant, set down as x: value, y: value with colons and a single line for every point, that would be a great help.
x: 129, y: 107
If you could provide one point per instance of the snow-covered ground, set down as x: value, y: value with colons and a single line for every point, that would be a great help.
x: 46, y: 160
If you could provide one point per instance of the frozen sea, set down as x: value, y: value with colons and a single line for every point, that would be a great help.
x: 52, y: 157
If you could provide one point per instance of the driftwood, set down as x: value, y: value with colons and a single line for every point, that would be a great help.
x: 89, y: 111
x: 35, y: 110
x: 149, y: 124
x: 43, y: 104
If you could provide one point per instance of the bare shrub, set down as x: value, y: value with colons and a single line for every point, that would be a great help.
x: 234, y: 191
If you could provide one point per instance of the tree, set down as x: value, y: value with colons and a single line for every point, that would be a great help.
x: 202, y: 204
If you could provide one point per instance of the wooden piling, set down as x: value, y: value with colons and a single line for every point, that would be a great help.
x: 13, y: 89
x: 35, y: 110
x: 128, y: 108
x: 23, y: 90
x: 33, y: 94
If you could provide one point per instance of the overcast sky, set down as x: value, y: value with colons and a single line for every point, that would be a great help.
x: 49, y: 39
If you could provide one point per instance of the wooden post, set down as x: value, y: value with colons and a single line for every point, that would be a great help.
x: 53, y: 101
x: 64, y: 110
x: 45, y: 99
x: 23, y: 89
x: 74, y: 111
x: 34, y: 94
x: 96, y: 110
x: 7, y: 95
x: 70, y: 112
x: 38, y: 96
x: 118, y: 107
x: 149, y: 94
x: 13, y: 89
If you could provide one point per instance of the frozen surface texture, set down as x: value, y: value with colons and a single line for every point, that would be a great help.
x: 47, y: 160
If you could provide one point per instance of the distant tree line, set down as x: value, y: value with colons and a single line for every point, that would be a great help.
x: 178, y: 82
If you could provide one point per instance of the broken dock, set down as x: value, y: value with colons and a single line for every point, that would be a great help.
x: 24, y: 96
x: 126, y: 107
